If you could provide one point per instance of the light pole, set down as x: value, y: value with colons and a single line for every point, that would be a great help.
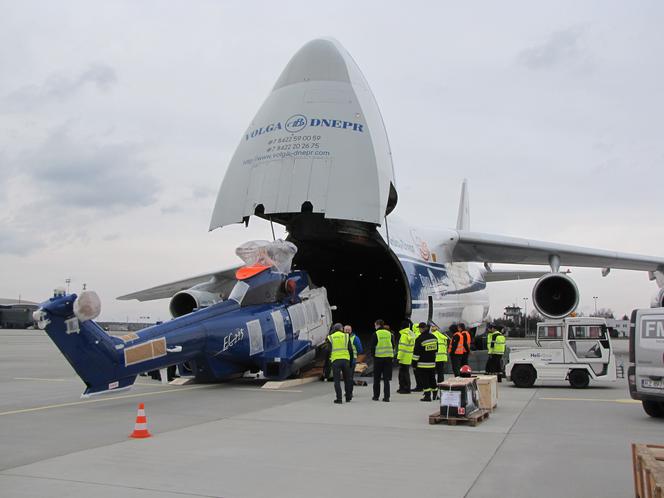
x: 595, y: 298
x: 525, y: 316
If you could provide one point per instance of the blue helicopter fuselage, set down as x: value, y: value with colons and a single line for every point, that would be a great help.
x: 267, y: 324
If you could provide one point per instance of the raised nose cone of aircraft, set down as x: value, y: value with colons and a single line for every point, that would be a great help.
x: 321, y: 60
x: 317, y: 145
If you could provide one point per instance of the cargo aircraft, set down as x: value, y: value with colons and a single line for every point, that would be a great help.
x: 316, y: 159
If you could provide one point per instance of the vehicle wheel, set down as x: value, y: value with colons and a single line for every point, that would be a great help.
x: 578, y: 379
x: 654, y: 408
x: 523, y: 375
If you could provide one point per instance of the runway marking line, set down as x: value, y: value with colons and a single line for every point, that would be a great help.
x: 98, y: 400
x: 623, y: 401
x: 75, y: 379
x: 38, y: 378
x: 258, y: 389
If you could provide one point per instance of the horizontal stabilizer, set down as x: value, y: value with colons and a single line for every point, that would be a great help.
x: 490, y: 248
x: 221, y: 282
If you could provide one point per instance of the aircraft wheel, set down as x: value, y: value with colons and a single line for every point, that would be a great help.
x: 523, y: 375
x: 578, y: 379
x: 654, y: 408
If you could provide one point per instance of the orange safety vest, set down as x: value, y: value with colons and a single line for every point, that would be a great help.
x: 463, y: 346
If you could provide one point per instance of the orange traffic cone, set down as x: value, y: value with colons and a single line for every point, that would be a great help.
x: 141, y: 426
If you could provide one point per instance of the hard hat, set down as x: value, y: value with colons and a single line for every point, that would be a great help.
x: 465, y: 371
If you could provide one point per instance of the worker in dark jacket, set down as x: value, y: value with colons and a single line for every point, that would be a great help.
x: 424, y: 360
x: 382, y: 349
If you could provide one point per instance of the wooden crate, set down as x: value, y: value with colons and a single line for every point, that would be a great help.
x: 648, y: 466
x: 488, y: 389
x: 473, y: 419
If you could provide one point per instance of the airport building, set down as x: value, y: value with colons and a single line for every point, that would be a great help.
x: 16, y: 313
x: 514, y: 314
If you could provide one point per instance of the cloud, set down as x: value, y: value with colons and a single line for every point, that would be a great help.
x: 90, y: 175
x: 18, y: 242
x: 202, y: 192
x: 172, y: 209
x: 561, y: 48
x: 58, y: 191
x: 60, y: 88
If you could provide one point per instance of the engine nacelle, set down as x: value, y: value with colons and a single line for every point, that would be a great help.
x: 657, y: 300
x: 555, y: 295
x: 186, y: 301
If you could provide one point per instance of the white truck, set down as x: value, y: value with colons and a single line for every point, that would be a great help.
x: 646, y: 356
x: 574, y: 349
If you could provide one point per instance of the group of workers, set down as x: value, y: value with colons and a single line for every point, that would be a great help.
x: 423, y: 346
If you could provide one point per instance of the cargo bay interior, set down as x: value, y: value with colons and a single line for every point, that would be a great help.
x: 363, y: 278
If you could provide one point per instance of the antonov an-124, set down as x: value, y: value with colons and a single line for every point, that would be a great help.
x: 316, y: 159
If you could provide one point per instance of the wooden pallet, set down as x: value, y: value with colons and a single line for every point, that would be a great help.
x: 473, y: 419
x: 648, y: 466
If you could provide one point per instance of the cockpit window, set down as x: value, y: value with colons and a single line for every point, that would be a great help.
x: 239, y: 291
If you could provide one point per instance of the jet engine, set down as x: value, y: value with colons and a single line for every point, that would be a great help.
x: 658, y: 299
x: 191, y: 299
x: 555, y: 295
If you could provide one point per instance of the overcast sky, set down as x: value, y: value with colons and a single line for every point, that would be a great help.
x: 118, y: 119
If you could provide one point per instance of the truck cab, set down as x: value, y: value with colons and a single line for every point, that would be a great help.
x: 574, y: 349
x: 646, y: 357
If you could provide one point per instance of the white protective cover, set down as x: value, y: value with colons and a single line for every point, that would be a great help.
x: 277, y: 254
x: 87, y: 306
x: 319, y: 137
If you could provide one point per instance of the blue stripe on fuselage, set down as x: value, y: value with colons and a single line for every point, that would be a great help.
x: 434, y: 279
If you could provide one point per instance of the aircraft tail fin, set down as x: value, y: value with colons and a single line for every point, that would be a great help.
x: 463, y: 218
x: 89, y: 349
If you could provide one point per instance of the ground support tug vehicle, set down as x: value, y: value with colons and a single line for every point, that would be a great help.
x: 573, y: 349
x: 646, y: 357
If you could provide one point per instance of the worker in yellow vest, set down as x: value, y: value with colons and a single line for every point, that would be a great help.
x: 405, y: 356
x: 382, y: 348
x: 441, y: 355
x: 341, y: 353
x: 418, y: 382
x: 495, y: 344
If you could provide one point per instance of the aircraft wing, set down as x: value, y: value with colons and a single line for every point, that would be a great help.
x: 219, y: 280
x: 489, y: 248
x: 506, y: 275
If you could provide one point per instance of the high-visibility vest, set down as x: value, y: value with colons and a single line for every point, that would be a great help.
x: 499, y: 344
x: 351, y: 337
x: 463, y: 346
x: 406, y: 345
x: 441, y: 355
x: 384, y: 344
x: 489, y: 340
x: 339, y: 341
x: 416, y: 330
